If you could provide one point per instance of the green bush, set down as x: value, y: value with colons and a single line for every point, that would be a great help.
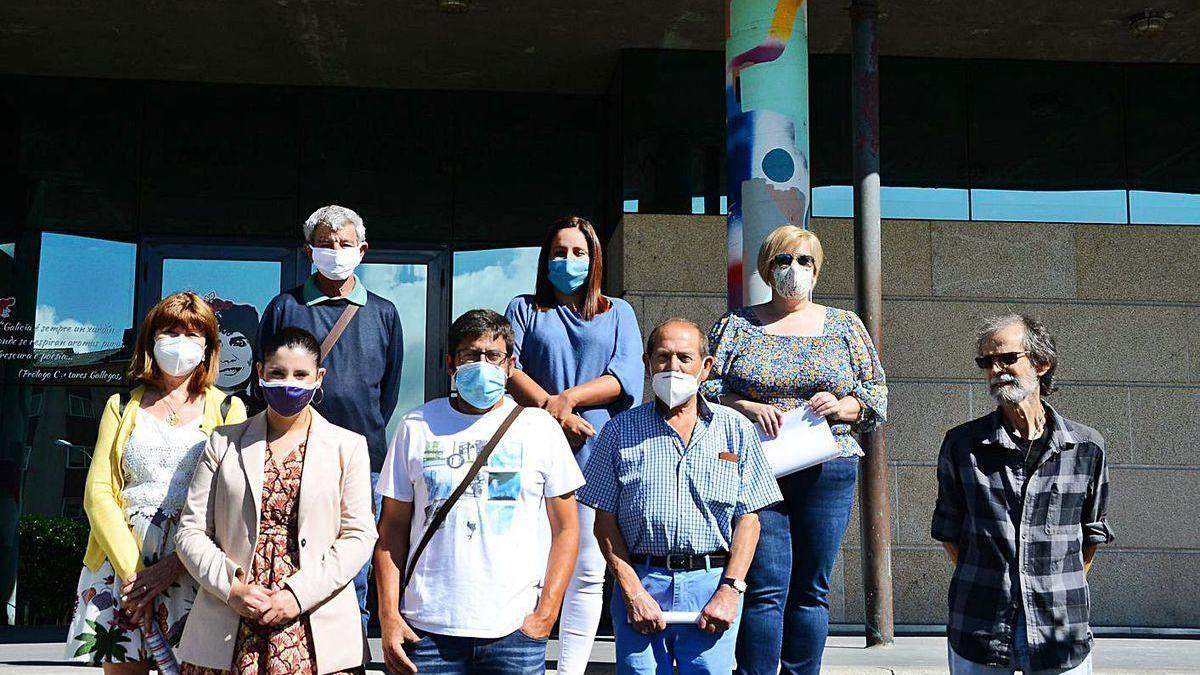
x: 50, y: 558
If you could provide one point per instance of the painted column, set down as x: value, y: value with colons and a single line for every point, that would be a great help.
x: 766, y: 103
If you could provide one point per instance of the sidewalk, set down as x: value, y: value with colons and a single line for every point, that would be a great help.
x: 843, y: 656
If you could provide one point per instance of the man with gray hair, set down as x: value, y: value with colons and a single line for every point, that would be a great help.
x: 1022, y: 505
x: 677, y: 484
x: 362, y: 345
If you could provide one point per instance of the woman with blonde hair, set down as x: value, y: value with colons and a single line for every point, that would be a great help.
x: 149, y: 443
x: 770, y: 359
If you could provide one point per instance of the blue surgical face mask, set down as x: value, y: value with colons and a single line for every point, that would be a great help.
x: 287, y: 398
x: 480, y: 383
x: 569, y: 274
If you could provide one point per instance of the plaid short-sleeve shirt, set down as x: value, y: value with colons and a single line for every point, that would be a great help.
x: 1021, y: 545
x: 672, y: 499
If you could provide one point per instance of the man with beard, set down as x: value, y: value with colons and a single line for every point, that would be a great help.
x: 1022, y: 504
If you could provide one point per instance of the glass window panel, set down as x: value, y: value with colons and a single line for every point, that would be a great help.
x: 837, y: 201
x: 925, y: 203
x: 1163, y: 138
x: 1164, y: 208
x: 492, y: 278
x: 1048, y: 126
x: 833, y: 201
x: 1050, y: 206
x: 406, y: 285
x: 239, y: 291
x: 81, y: 328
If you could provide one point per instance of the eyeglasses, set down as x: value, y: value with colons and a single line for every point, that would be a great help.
x: 492, y: 356
x: 785, y: 259
x: 1006, y: 358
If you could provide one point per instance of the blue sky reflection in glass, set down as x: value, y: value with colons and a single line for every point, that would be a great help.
x: 85, y: 293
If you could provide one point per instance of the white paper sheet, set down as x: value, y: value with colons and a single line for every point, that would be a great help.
x: 804, y: 440
x: 681, y: 617
x: 678, y: 617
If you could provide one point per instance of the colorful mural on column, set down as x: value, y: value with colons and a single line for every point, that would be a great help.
x: 766, y: 95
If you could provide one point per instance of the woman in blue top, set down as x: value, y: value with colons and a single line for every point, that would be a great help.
x: 579, y: 356
x: 770, y: 359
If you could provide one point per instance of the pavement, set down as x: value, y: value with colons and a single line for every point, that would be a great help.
x: 30, y: 652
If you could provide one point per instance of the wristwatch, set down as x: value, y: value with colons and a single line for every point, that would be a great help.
x: 737, y: 584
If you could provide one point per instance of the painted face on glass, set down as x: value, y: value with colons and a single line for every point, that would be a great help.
x: 238, y: 328
x: 237, y: 359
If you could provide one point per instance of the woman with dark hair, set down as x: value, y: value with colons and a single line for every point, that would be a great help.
x: 579, y: 357
x: 238, y: 325
x: 277, y: 524
x: 149, y: 443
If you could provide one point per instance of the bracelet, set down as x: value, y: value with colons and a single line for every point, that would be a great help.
x: 637, y: 596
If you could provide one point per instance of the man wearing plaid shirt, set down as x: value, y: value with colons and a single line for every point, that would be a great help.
x: 1022, y: 504
x: 676, y: 483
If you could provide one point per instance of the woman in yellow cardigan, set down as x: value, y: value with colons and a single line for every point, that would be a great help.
x: 149, y: 444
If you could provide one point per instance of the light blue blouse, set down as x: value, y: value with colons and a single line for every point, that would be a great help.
x: 559, y: 350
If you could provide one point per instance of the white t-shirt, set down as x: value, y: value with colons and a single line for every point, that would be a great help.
x: 482, y: 571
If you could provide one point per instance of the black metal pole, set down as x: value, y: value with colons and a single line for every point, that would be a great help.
x: 873, y: 487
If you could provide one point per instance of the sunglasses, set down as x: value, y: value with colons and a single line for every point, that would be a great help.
x: 1007, y: 358
x: 785, y: 259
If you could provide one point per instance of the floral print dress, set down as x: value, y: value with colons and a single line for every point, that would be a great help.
x: 787, y: 370
x: 157, y: 464
x: 274, y: 650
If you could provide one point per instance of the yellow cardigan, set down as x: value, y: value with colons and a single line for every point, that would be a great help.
x: 111, y: 537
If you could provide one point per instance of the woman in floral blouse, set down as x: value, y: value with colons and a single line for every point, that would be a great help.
x: 770, y: 359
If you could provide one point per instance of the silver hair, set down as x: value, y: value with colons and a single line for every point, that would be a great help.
x: 335, y: 217
x: 1037, y: 341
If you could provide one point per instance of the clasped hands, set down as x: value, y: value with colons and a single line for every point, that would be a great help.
x: 562, y: 408
x: 267, y: 607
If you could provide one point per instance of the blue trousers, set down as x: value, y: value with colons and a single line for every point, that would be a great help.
x: 362, y: 580
x: 785, y: 619
x: 513, y: 654
x: 682, y: 646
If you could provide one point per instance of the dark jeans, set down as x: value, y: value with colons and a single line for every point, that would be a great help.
x: 363, y: 578
x: 513, y: 654
x: 785, y: 618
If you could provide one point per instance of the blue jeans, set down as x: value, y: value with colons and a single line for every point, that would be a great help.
x: 1020, y: 660
x: 513, y: 654
x: 792, y: 595
x: 363, y: 579
x: 681, y: 645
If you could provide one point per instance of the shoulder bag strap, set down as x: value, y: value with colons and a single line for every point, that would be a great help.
x: 338, y: 328
x: 442, y: 512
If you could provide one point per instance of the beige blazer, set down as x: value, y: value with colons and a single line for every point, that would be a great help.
x: 219, y: 528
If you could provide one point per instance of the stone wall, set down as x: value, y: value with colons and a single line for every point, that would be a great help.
x: 1124, y: 304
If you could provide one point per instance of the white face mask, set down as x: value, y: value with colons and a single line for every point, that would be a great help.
x: 794, y: 281
x: 674, y: 387
x: 336, y: 263
x: 177, y: 355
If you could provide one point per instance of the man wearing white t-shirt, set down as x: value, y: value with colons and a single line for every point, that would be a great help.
x: 486, y: 590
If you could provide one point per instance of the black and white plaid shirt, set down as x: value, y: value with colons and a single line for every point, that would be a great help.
x: 1021, y: 543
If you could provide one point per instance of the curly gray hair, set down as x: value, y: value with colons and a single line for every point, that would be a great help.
x: 1038, y: 342
x: 335, y: 217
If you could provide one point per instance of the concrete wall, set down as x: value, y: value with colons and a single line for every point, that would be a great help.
x: 1124, y: 304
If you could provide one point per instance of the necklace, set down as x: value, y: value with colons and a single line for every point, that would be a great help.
x: 173, y: 416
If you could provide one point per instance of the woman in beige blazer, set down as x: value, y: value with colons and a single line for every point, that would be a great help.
x: 277, y: 523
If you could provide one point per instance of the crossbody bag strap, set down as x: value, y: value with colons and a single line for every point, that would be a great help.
x: 338, y: 328
x: 442, y: 512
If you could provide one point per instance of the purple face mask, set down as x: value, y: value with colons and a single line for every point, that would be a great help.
x: 287, y: 398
